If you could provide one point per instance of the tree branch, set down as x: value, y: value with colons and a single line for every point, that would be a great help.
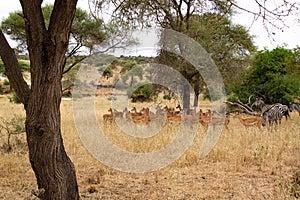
x: 244, y: 107
x: 13, y: 70
x: 74, y: 64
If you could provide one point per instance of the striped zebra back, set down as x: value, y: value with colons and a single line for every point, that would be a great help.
x: 266, y: 108
x: 273, y: 113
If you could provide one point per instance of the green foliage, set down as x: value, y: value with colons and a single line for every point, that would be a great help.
x: 107, y: 72
x: 2, y: 67
x: 68, y: 80
x: 131, y: 69
x: 139, y: 59
x: 86, y: 30
x: 14, y: 98
x: 5, y: 82
x: 167, y: 97
x: 293, y: 67
x: 141, y: 92
x: 271, y: 76
x: 14, y: 26
x: 229, y: 44
x: 24, y: 65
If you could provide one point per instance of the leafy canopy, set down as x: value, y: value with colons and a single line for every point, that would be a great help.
x: 274, y: 74
x: 87, y: 31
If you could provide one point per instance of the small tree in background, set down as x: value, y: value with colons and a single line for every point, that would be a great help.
x: 130, y: 70
x: 141, y: 92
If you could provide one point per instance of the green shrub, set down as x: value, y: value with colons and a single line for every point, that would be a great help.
x: 24, y: 65
x: 141, y: 92
x: 167, y: 97
x: 106, y: 71
x: 5, y: 82
x: 273, y: 74
x: 14, y: 98
x: 2, y: 68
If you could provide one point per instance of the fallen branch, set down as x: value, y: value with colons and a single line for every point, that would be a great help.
x: 244, y: 107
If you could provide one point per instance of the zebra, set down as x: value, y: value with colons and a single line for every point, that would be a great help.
x: 295, y: 106
x: 286, y: 113
x: 274, y: 113
x: 263, y: 107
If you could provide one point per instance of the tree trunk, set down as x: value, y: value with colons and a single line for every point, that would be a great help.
x: 47, y: 46
x: 54, y: 170
x: 197, y: 92
x: 196, y: 97
x: 186, y: 98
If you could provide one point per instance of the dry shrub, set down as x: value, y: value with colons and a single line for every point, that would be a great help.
x: 14, y: 131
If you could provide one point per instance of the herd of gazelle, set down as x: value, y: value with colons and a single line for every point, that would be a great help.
x: 176, y: 115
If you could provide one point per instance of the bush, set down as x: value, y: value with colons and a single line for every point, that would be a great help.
x: 14, y: 98
x: 2, y: 68
x: 5, y: 82
x: 271, y: 76
x: 24, y: 65
x: 14, y: 126
x: 141, y: 92
x: 106, y: 71
x: 167, y: 97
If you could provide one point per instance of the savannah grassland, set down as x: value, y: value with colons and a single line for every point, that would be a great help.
x: 244, y: 164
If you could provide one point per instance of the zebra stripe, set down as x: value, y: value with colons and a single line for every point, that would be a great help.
x: 274, y: 113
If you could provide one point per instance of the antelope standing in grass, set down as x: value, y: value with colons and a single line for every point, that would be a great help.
x: 142, y: 116
x: 108, y: 117
x: 250, y: 121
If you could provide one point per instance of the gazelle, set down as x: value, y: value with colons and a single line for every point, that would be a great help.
x: 206, y: 117
x: 220, y: 120
x: 174, y: 119
x: 134, y: 112
x: 117, y: 114
x: 108, y: 117
x: 250, y: 121
x: 143, y: 116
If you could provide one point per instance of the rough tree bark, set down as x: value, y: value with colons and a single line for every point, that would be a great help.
x: 53, y: 169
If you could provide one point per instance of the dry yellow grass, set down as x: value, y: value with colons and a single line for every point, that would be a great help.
x: 244, y: 164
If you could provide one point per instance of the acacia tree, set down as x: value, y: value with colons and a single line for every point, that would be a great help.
x: 47, y: 46
x: 131, y: 69
x: 89, y: 35
x: 180, y: 15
